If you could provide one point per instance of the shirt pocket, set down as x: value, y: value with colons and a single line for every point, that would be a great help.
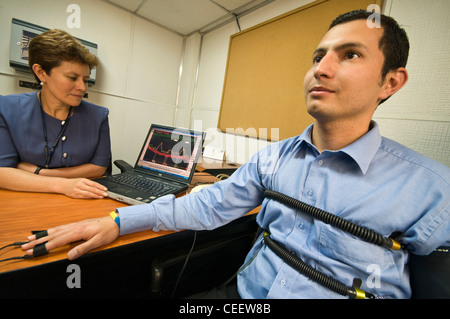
x: 352, y: 252
x: 381, y: 270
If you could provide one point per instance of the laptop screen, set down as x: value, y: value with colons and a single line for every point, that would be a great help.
x: 171, y: 151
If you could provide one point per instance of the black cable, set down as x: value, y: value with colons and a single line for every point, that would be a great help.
x: 38, y: 250
x: 364, y: 233
x: 18, y: 257
x: 184, y: 265
x: 237, y: 22
x: 17, y: 243
x: 37, y: 233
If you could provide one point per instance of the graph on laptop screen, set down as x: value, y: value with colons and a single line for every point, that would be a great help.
x: 170, y: 151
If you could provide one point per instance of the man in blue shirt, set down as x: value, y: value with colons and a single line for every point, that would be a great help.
x: 339, y: 164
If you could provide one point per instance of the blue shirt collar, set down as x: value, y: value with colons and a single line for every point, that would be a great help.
x: 362, y: 151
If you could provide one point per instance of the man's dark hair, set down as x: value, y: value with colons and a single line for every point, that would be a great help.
x: 394, y: 43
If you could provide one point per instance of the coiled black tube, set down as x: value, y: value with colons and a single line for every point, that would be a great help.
x: 364, y: 233
x: 308, y: 271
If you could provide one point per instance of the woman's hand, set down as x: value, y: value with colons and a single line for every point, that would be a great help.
x: 82, y: 188
x: 94, y: 233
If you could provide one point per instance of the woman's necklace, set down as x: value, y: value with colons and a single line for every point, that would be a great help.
x: 49, y: 154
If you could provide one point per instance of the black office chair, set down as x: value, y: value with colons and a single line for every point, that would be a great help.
x: 430, y: 275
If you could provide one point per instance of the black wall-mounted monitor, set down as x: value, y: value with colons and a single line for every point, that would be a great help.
x: 22, y: 33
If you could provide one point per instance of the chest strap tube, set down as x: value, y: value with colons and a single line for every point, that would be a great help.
x: 315, y: 275
x: 363, y: 233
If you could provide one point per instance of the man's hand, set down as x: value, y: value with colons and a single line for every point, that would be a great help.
x: 95, y: 233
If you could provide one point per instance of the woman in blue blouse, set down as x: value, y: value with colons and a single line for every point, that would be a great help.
x: 51, y: 140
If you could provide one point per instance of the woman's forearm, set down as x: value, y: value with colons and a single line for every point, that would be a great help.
x: 85, y: 170
x: 20, y: 180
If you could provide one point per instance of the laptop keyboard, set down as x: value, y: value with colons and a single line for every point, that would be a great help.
x: 146, y: 185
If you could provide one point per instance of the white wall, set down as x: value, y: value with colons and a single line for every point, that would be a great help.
x: 137, y: 79
x: 418, y: 116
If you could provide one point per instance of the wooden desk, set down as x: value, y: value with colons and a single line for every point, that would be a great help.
x: 205, y: 163
x: 22, y: 213
x: 120, y: 269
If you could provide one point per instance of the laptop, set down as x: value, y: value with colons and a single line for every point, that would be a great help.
x: 165, y: 165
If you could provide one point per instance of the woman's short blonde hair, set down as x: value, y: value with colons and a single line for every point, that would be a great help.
x: 54, y: 46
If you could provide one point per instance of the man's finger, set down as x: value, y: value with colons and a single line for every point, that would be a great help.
x: 79, y: 250
x: 43, y: 242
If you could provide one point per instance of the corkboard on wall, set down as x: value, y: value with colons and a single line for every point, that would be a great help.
x: 263, y: 87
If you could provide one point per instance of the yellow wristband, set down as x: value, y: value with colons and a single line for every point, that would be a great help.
x: 115, y: 217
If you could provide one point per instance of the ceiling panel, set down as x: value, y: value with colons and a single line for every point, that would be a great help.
x: 130, y: 5
x: 231, y: 5
x: 181, y: 15
x: 188, y: 16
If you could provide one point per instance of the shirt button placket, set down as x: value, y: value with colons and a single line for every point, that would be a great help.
x: 63, y: 139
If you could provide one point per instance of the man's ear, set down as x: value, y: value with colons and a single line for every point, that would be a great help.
x: 393, y: 82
